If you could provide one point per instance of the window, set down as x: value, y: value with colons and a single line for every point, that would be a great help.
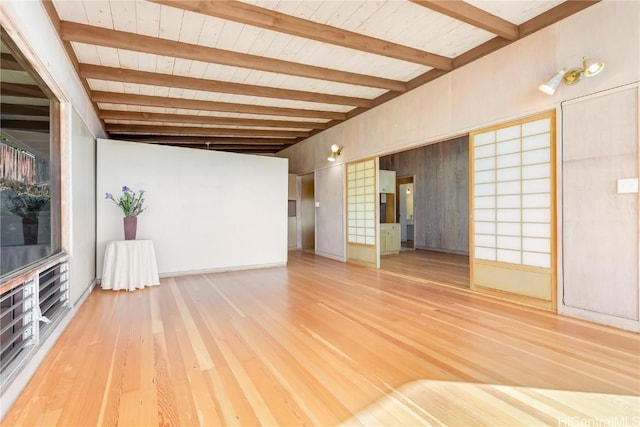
x: 29, y: 165
x: 34, y: 292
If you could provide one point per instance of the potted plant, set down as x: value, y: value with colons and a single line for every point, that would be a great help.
x: 26, y: 201
x: 132, y: 205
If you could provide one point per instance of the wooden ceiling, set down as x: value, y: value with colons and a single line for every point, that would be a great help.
x: 257, y: 76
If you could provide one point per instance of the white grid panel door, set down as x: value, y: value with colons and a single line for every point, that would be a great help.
x: 512, y: 203
x: 362, y: 239
x: 361, y: 213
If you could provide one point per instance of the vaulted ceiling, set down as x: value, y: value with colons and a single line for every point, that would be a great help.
x: 257, y: 76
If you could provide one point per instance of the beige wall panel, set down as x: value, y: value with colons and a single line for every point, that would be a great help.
x: 514, y: 279
x: 330, y: 215
x: 600, y: 231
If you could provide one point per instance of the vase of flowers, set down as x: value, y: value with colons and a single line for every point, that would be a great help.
x: 26, y: 201
x: 132, y: 204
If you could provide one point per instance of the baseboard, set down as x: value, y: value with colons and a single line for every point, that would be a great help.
x: 222, y: 269
x: 13, y: 390
x: 446, y: 251
x: 603, y: 319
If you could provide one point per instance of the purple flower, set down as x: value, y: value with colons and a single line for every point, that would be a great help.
x: 131, y: 202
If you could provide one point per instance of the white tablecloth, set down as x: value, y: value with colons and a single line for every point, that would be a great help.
x: 130, y: 265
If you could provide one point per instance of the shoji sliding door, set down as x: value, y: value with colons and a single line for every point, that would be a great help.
x: 362, y: 241
x: 512, y: 203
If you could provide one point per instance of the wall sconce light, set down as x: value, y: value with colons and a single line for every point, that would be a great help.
x: 574, y: 75
x: 336, y: 150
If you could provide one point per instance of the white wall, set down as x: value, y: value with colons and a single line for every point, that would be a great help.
x: 207, y: 210
x: 83, y: 208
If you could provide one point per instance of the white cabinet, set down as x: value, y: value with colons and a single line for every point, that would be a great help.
x: 387, y: 181
x: 389, y: 238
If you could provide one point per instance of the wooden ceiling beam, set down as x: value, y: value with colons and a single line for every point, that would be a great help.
x: 30, y: 125
x: 241, y: 147
x: 192, y: 104
x: 244, y: 148
x: 479, y: 51
x: 167, y: 80
x: 465, y: 12
x: 74, y: 32
x: 25, y: 110
x: 554, y: 15
x: 8, y: 62
x: 22, y: 90
x: 210, y: 120
x: 213, y: 141
x: 207, y: 131
x: 272, y: 20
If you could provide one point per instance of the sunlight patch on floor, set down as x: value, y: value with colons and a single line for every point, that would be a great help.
x: 442, y: 403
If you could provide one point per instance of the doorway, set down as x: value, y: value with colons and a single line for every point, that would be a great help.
x: 406, y: 212
x: 432, y: 212
x: 307, y: 213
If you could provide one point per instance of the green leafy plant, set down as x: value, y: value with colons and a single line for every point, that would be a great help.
x: 24, y: 200
x: 131, y: 202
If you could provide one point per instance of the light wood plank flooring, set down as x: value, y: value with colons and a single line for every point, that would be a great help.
x: 326, y: 343
x: 429, y: 266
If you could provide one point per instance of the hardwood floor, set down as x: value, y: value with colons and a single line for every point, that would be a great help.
x: 429, y: 266
x: 325, y: 343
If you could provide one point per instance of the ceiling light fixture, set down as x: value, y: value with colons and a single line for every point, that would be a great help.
x: 573, y: 76
x: 336, y: 150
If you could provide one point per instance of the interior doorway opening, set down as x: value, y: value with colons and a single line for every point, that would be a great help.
x: 307, y: 213
x: 406, y: 212
x: 432, y: 210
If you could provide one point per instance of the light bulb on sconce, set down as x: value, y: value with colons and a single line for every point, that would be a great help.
x: 573, y: 76
x: 336, y: 150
